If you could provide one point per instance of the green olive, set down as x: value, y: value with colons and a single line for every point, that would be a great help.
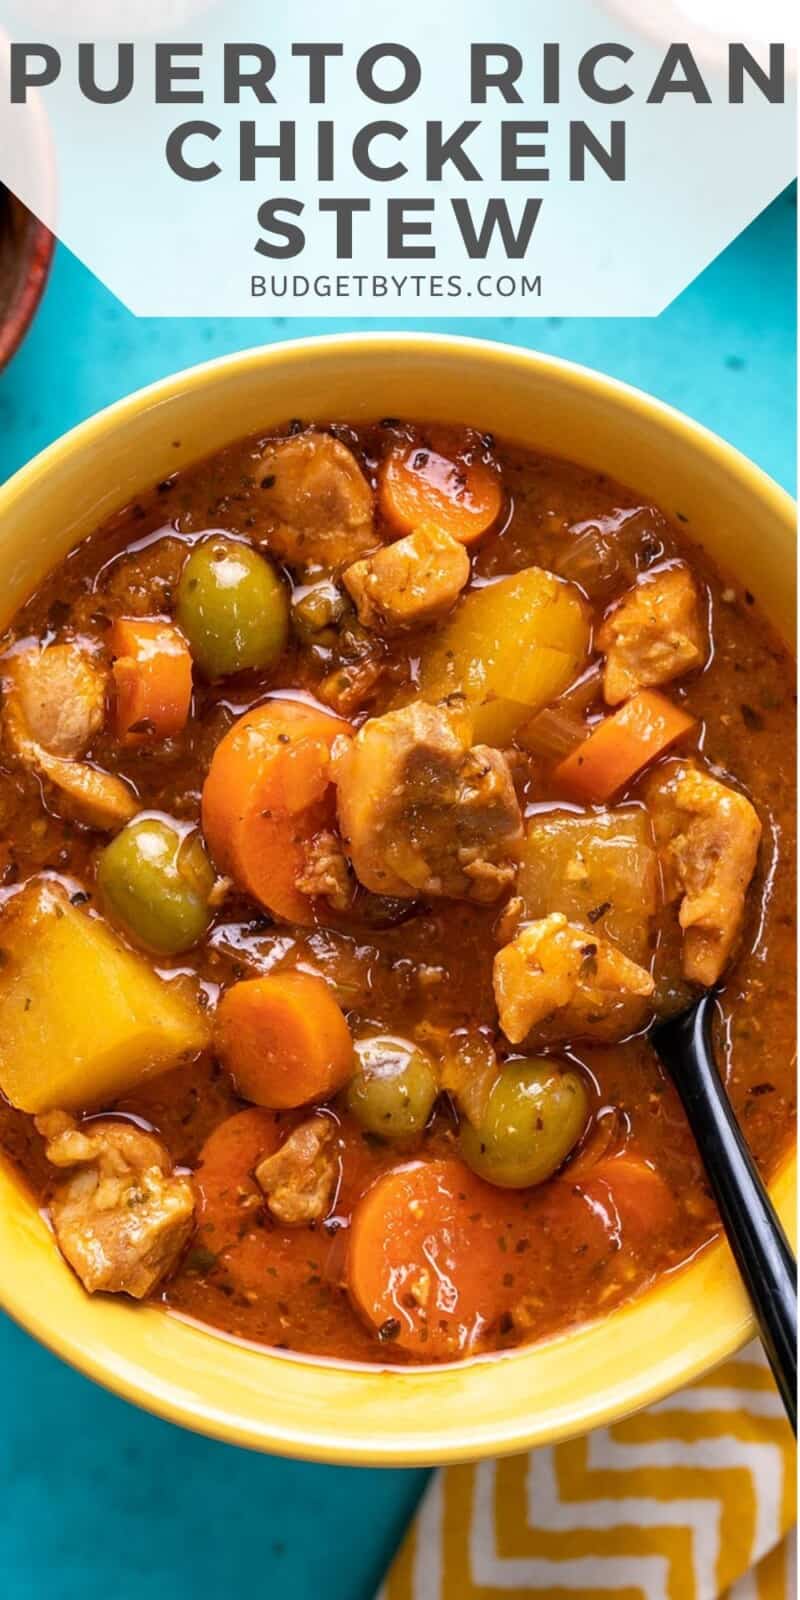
x: 394, y: 1087
x: 535, y: 1114
x: 155, y: 880
x: 232, y: 607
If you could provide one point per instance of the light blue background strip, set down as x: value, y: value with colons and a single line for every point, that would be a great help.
x: 96, y: 1498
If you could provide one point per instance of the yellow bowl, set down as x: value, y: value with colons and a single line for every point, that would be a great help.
x: 307, y: 1408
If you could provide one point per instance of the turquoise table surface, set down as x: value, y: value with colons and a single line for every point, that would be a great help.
x: 97, y: 1498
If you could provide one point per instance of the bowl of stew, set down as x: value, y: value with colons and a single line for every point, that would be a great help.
x: 393, y: 729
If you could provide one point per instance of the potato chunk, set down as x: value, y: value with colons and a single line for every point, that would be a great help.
x: 122, y: 1218
x: 655, y: 634
x: 555, y: 971
x: 411, y: 582
x: 510, y: 648
x: 708, y: 836
x: 601, y: 872
x: 82, y: 1019
x: 316, y: 505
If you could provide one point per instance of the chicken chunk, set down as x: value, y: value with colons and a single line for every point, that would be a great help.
x: 414, y: 581
x: 317, y: 504
x: 554, y: 967
x: 89, y: 795
x: 61, y: 693
x: 708, y: 837
x: 327, y: 873
x: 300, y: 1179
x: 123, y: 1217
x: 655, y: 634
x: 54, y: 704
x: 423, y: 813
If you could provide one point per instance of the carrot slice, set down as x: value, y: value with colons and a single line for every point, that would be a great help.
x: 617, y: 749
x: 423, y: 1259
x: 223, y: 1177
x: 152, y: 679
x: 636, y: 1200
x: 462, y: 496
x: 268, y: 791
x: 284, y: 1040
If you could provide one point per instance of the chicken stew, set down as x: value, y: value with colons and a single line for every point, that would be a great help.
x: 365, y: 795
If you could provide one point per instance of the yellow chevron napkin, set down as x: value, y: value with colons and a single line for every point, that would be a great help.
x: 693, y: 1499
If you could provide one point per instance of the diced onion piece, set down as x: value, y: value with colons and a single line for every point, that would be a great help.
x: 605, y: 554
x: 552, y: 733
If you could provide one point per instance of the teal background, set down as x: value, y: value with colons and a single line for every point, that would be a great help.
x: 97, y: 1498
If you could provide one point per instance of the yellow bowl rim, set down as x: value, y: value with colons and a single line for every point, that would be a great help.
x: 497, y: 352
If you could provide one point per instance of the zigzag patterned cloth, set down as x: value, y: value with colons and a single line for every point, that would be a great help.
x: 693, y: 1499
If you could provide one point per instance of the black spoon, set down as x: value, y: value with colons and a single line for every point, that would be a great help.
x: 765, y: 1261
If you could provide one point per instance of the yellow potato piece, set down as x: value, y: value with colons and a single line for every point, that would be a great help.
x: 82, y: 1019
x: 599, y: 871
x: 511, y: 648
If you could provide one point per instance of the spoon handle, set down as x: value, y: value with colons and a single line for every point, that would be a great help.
x: 754, y: 1232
